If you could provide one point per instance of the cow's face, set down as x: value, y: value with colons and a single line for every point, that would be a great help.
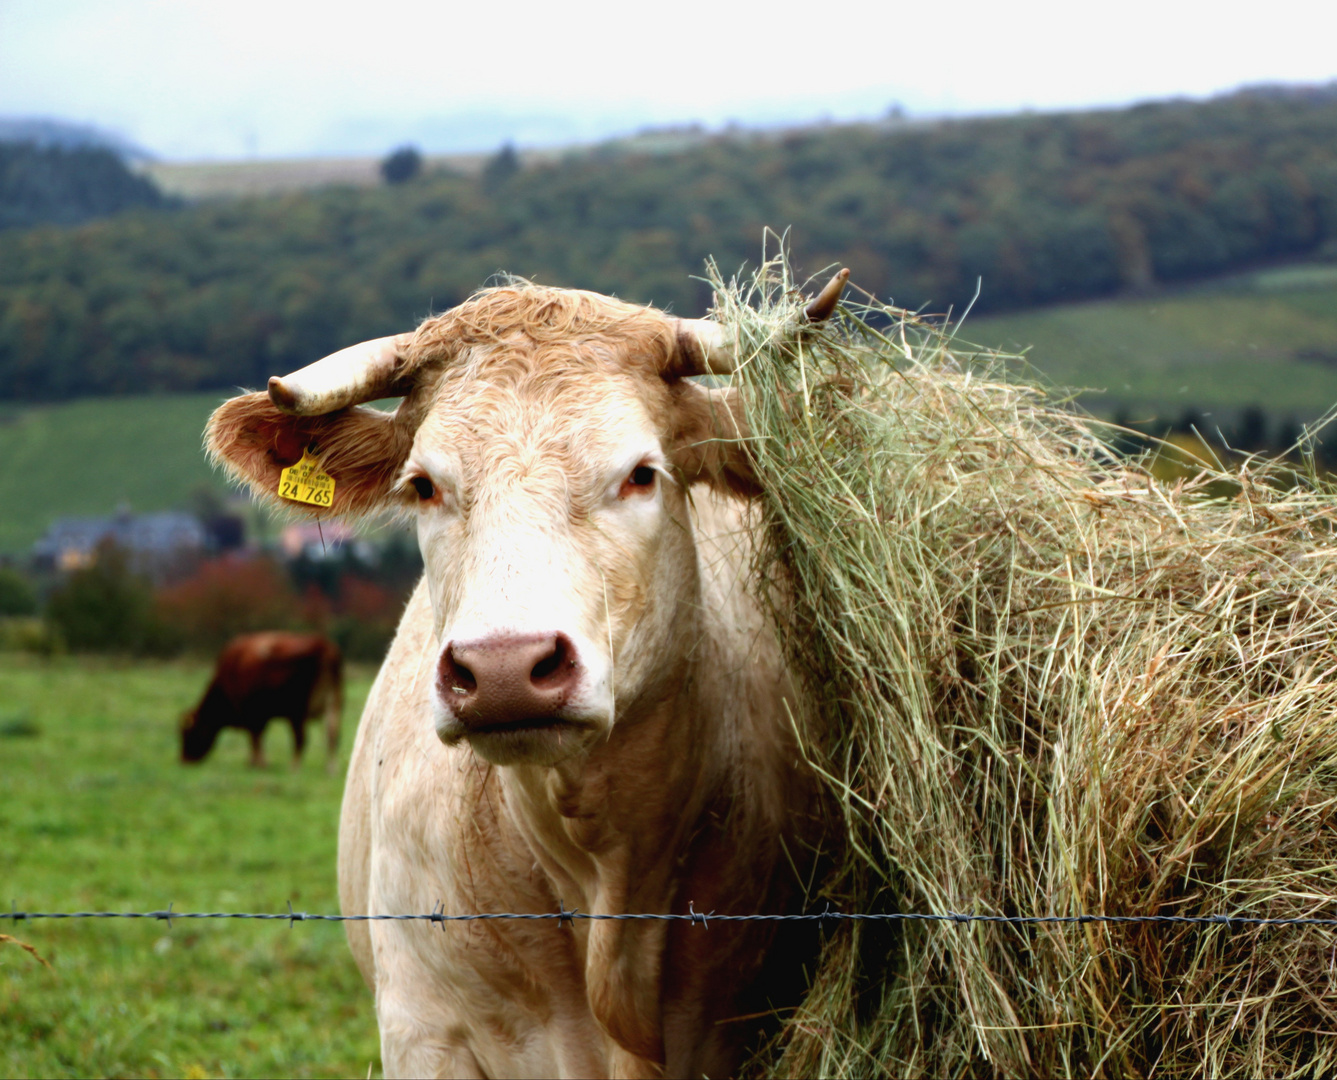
x: 555, y: 533
x: 196, y: 739
x: 547, y: 464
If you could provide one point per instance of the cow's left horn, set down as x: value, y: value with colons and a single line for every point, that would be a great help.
x: 825, y: 303
x: 362, y: 372
x: 704, y: 347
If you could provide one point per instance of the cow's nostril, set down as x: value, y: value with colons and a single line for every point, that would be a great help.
x: 553, y: 667
x: 552, y: 663
x: 461, y: 680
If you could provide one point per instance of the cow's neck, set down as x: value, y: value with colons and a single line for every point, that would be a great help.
x: 612, y: 830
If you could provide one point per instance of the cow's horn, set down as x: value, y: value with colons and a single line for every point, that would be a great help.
x: 708, y: 348
x: 362, y: 372
x: 703, y: 348
x: 821, y: 308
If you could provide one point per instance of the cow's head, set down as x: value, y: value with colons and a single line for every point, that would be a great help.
x: 197, y: 739
x: 546, y: 444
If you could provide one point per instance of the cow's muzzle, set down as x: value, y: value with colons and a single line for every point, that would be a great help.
x: 508, y: 682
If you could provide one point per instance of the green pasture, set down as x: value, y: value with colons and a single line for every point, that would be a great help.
x: 97, y: 813
x: 1266, y: 339
x: 89, y: 457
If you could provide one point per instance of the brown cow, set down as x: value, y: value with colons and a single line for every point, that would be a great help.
x: 262, y: 676
x: 584, y: 703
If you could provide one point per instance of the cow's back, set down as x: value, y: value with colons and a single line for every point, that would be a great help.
x: 269, y: 663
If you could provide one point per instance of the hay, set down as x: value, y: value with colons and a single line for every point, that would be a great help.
x: 1042, y: 683
x: 6, y: 939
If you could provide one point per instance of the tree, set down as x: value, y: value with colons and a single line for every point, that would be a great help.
x: 504, y: 164
x: 401, y: 165
x: 107, y: 607
x: 16, y: 595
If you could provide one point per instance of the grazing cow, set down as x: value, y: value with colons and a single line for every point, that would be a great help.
x: 583, y: 704
x: 261, y: 676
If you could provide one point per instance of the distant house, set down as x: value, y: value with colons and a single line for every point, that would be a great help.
x: 152, y: 541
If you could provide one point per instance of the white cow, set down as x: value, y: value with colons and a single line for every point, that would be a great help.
x: 583, y: 704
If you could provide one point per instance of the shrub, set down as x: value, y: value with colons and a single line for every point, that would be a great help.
x: 402, y: 165
x: 227, y: 596
x: 17, y: 596
x: 106, y: 607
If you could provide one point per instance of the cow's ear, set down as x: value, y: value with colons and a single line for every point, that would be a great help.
x: 708, y: 439
x: 361, y: 448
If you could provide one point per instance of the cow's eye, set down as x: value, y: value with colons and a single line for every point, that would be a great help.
x: 423, y: 487
x: 641, y: 480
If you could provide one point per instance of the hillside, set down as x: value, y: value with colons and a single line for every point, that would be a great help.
x: 66, y: 184
x: 1043, y: 208
x: 1266, y: 339
x: 89, y: 457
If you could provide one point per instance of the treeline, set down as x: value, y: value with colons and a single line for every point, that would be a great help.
x: 58, y: 185
x: 108, y: 606
x: 1042, y: 208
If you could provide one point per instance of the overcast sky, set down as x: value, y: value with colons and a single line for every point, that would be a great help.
x: 233, y: 78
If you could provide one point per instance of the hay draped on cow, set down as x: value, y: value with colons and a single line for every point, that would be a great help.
x: 1041, y: 683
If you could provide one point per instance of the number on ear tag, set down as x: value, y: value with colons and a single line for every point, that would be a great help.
x: 306, y: 482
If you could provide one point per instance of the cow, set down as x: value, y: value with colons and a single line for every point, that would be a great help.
x: 262, y: 676
x: 584, y: 704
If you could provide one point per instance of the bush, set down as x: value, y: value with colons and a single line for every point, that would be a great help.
x: 228, y: 596
x: 17, y: 596
x: 402, y: 165
x: 108, y: 608
x: 21, y: 633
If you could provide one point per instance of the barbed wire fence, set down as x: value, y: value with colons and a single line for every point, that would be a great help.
x: 700, y: 918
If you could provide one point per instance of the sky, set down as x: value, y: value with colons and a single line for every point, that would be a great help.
x: 237, y: 79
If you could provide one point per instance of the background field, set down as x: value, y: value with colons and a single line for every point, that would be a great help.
x: 89, y: 457
x: 1266, y: 339
x: 96, y: 812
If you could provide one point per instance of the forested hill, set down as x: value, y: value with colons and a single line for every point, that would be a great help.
x: 1042, y: 207
x: 64, y: 185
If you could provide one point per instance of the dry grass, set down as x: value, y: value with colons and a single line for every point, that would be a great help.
x: 1044, y: 683
x: 7, y: 939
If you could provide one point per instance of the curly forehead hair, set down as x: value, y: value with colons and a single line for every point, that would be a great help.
x: 542, y: 315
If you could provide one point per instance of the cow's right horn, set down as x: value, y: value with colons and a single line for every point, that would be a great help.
x: 362, y: 372
x: 703, y: 348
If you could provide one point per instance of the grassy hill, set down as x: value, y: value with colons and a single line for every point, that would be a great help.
x: 1045, y: 209
x: 90, y: 456
x: 1265, y: 339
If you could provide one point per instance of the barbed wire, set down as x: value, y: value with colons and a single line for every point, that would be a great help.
x: 700, y: 918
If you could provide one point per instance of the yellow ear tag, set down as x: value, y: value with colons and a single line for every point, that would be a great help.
x: 305, y: 482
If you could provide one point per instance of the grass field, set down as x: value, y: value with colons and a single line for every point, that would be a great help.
x: 96, y: 813
x: 1267, y: 338
x: 88, y: 457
